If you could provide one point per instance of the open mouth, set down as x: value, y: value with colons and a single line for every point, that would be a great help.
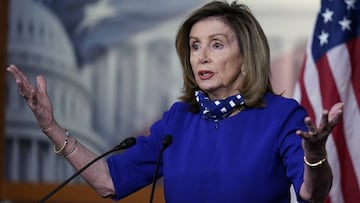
x: 205, y: 74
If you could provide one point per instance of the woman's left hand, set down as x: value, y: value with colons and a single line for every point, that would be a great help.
x: 314, y: 139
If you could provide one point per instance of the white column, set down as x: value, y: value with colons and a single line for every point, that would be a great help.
x: 14, y: 160
x: 49, y: 165
x: 33, y: 167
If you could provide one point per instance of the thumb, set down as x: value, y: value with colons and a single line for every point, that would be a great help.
x: 41, y: 84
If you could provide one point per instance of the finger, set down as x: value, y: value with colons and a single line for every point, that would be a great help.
x: 41, y: 84
x: 338, y: 106
x: 310, y: 125
x: 302, y: 134
x: 336, y: 110
x: 313, y: 133
x: 32, y: 99
x: 24, y: 79
x: 325, y: 119
x: 23, y: 83
x: 13, y: 70
x: 306, y: 135
x: 21, y: 88
x: 336, y: 119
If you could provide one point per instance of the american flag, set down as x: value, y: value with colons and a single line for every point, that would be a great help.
x: 330, y: 74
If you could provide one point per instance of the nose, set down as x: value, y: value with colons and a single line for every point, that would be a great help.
x: 204, y: 56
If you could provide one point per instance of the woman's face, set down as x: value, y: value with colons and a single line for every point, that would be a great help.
x: 215, y: 58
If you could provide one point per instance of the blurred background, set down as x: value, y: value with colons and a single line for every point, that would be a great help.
x: 112, y: 70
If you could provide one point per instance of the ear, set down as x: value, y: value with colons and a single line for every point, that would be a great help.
x: 242, y: 70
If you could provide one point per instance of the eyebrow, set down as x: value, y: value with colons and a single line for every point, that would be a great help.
x: 212, y: 36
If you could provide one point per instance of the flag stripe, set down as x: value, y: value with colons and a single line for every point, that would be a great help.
x: 354, y: 48
x: 311, y: 90
x: 336, y: 190
x: 304, y: 97
x: 351, y: 127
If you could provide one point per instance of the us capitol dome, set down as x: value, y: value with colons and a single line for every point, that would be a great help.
x: 38, y: 44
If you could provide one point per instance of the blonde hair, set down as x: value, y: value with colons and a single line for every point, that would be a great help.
x: 253, y: 46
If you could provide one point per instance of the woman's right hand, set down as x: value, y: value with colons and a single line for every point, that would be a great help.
x: 36, y: 98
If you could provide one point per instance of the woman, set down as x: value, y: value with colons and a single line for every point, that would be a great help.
x: 234, y: 139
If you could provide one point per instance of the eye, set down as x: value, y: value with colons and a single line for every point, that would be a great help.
x: 194, y: 46
x: 217, y: 45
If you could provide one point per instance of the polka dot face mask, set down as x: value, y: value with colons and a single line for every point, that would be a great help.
x: 218, y: 109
